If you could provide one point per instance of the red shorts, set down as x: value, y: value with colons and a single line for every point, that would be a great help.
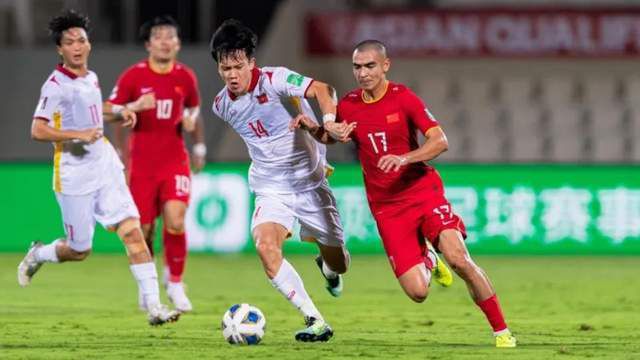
x: 404, y: 226
x: 151, y: 192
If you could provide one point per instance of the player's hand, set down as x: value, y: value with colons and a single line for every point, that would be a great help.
x: 144, y: 102
x: 392, y: 162
x: 339, y: 131
x: 188, y: 123
x: 90, y: 136
x: 303, y: 122
x: 129, y: 118
x: 198, y: 163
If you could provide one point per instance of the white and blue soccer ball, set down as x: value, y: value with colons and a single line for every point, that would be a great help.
x: 243, y: 324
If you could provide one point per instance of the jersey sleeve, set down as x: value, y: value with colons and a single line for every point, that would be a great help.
x: 340, y: 109
x: 123, y: 92
x: 50, y: 99
x: 417, y: 112
x: 216, y: 106
x: 289, y: 83
x: 193, y: 95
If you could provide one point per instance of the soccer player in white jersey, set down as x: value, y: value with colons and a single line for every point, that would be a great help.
x: 287, y: 172
x: 88, y: 177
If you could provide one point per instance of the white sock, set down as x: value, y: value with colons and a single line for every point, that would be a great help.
x: 432, y: 256
x: 326, y: 270
x: 47, y: 253
x: 289, y: 283
x: 147, y: 279
x: 427, y: 274
x: 498, y: 333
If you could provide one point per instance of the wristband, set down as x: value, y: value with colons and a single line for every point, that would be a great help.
x: 199, y: 149
x: 117, y: 109
x: 328, y: 117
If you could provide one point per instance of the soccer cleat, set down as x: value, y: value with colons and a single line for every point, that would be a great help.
x: 506, y: 340
x: 316, y: 330
x: 334, y: 285
x: 440, y: 271
x: 29, y: 265
x: 159, y: 314
x: 178, y: 297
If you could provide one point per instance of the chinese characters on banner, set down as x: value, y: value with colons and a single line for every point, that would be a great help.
x: 548, y: 216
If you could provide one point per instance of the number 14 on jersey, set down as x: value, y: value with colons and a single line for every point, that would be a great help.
x: 258, y: 129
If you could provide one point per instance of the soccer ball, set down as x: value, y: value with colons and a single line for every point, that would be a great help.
x: 243, y: 324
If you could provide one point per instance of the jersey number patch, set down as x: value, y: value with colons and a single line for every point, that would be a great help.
x: 163, y: 109
x: 445, y: 214
x: 258, y: 129
x: 183, y: 184
x: 380, y: 136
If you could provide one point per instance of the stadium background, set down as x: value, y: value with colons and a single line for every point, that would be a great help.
x: 547, y: 93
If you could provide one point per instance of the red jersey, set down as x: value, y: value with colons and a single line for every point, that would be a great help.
x: 156, y: 143
x: 388, y: 126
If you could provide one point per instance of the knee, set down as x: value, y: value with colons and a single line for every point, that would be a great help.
x: 79, y: 255
x: 270, y: 255
x: 266, y: 246
x: 175, y: 225
x: 418, y: 295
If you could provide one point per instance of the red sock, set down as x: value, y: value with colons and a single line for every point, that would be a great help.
x: 175, y: 252
x: 491, y: 309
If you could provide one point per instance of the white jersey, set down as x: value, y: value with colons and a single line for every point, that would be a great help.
x: 283, y: 161
x: 71, y: 102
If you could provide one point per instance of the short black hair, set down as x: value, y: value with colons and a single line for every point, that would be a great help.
x: 66, y: 20
x: 163, y: 20
x: 372, y: 44
x: 232, y: 36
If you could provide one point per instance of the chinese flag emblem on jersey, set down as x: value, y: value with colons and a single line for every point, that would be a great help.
x: 393, y: 118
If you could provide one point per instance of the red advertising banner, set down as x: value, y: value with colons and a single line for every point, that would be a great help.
x: 487, y: 33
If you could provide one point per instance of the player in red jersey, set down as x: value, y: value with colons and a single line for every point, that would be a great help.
x: 164, y: 94
x: 405, y: 194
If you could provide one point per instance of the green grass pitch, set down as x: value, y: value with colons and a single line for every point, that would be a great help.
x: 559, y: 307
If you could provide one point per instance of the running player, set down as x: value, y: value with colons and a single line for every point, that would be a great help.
x: 164, y: 94
x: 287, y: 173
x: 405, y: 194
x: 87, y: 175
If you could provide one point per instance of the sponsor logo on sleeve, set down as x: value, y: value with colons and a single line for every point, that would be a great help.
x: 295, y: 79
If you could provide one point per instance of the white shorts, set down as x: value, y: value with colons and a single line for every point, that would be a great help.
x: 315, y: 210
x: 108, y: 205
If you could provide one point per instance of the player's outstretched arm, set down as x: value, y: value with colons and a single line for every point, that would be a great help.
x: 327, y: 99
x: 199, y: 149
x: 325, y: 95
x: 436, y: 143
x: 118, y: 113
x: 318, y: 132
x: 41, y: 131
